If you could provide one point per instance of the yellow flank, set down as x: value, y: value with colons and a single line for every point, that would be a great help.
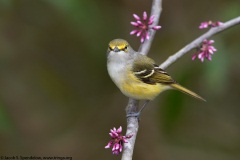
x: 136, y: 89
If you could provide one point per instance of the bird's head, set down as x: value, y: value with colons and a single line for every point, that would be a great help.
x: 118, y: 45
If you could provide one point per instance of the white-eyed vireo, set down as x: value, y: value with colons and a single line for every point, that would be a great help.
x: 137, y: 75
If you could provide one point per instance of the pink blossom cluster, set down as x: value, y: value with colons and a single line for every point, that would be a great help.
x: 206, y: 51
x: 117, y: 140
x: 143, y: 26
x: 209, y: 24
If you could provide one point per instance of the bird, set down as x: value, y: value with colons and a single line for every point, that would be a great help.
x: 138, y: 76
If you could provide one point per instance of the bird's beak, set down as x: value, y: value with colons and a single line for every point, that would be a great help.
x: 116, y: 49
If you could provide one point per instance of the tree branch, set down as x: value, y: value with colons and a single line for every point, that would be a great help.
x: 199, y: 40
x: 132, y: 129
x: 132, y: 122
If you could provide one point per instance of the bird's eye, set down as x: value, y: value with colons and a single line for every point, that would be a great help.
x: 110, y: 48
x: 126, y: 47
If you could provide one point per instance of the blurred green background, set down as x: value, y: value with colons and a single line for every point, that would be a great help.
x: 56, y: 98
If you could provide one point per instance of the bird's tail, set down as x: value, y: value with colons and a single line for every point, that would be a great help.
x: 187, y: 91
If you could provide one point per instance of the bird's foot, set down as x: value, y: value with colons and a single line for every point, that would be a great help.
x: 134, y: 114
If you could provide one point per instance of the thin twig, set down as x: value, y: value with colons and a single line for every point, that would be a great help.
x: 199, y: 40
x: 132, y: 122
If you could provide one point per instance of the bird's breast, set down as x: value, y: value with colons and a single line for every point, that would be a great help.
x: 117, y: 72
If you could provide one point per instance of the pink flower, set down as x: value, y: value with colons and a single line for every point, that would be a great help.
x: 209, y: 24
x: 206, y: 51
x: 117, y: 140
x: 143, y: 26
